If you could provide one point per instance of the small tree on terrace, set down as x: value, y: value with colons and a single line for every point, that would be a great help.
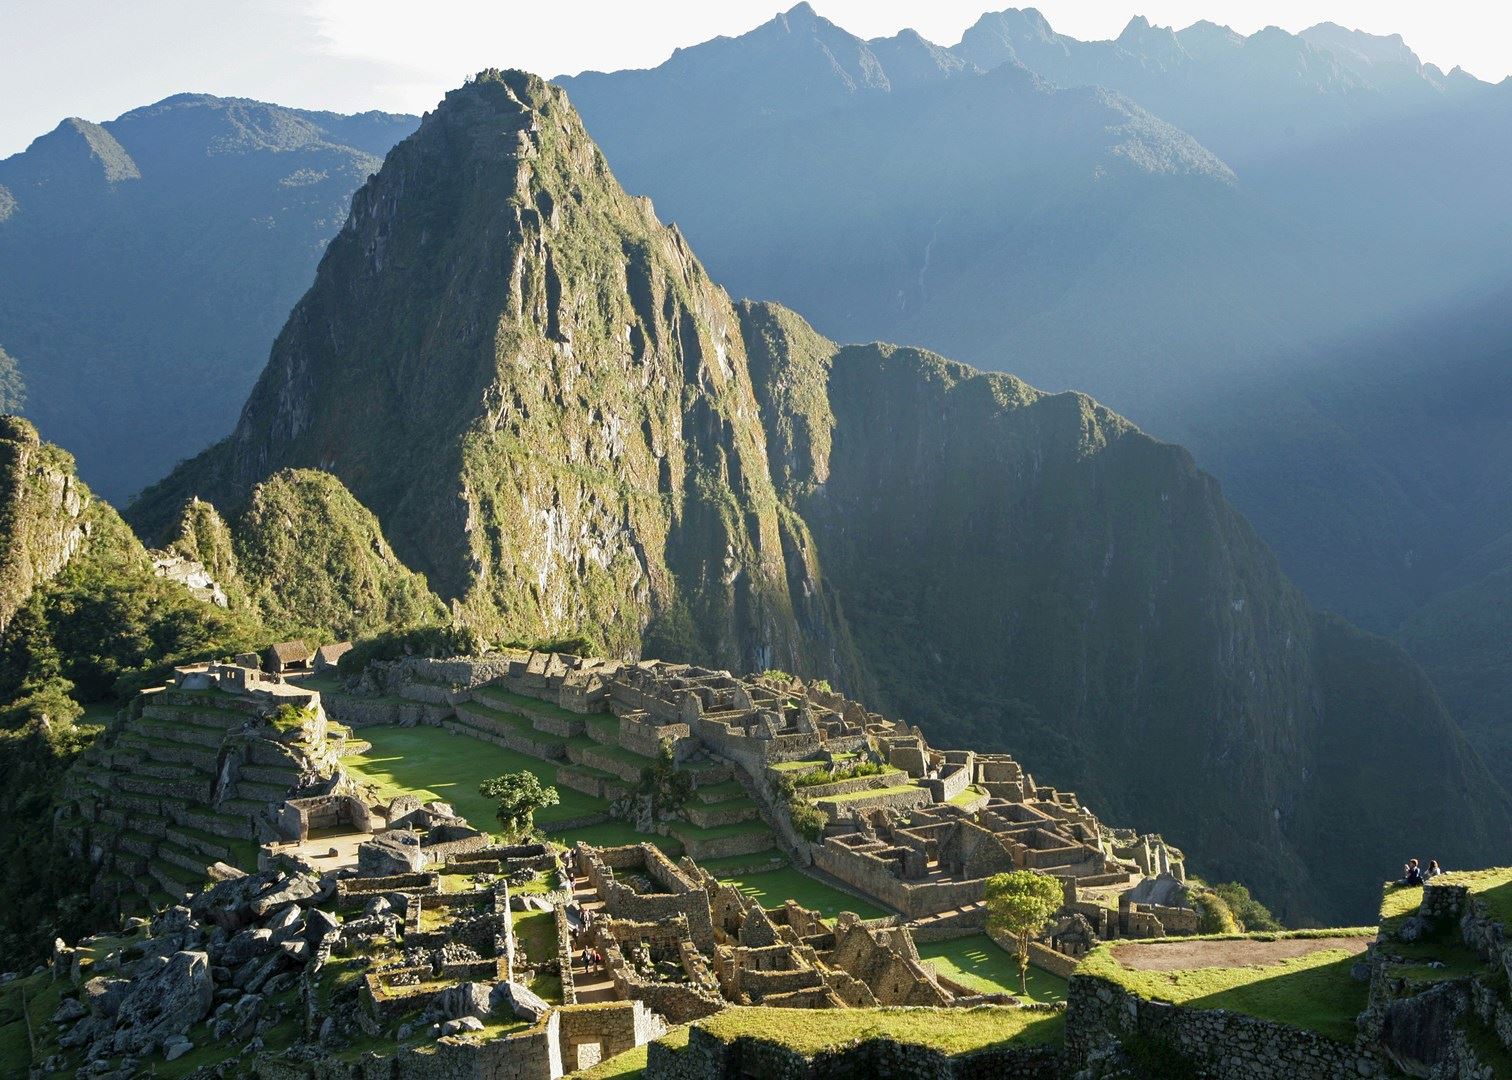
x: 1019, y: 904
x: 520, y: 795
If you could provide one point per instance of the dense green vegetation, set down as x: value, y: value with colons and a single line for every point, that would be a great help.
x: 311, y: 555
x: 92, y: 625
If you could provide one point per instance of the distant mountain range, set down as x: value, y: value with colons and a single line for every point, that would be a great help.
x: 1285, y: 251
x: 146, y: 263
x: 597, y: 442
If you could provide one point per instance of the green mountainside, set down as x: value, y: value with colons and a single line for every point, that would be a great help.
x: 1284, y: 251
x: 310, y: 555
x: 597, y: 442
x: 84, y: 622
x: 147, y: 262
x: 581, y: 444
x: 1030, y: 572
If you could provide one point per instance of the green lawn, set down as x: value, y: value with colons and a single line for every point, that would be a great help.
x: 1493, y: 887
x: 981, y: 964
x: 771, y: 888
x: 535, y: 933
x: 1314, y: 992
x: 436, y: 764
x: 950, y: 1031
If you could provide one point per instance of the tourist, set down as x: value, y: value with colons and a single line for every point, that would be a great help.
x: 1414, y: 874
x: 1433, y: 871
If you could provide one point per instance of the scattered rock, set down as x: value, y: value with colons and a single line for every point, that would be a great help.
x: 520, y: 1000
x: 176, y: 1046
x: 169, y: 1002
x: 461, y: 1024
x: 467, y: 999
x: 69, y: 1010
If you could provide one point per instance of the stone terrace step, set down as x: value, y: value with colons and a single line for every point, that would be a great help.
x: 520, y: 740
x: 511, y: 732
x: 718, y: 793
x: 730, y: 812
x: 724, y: 841
x: 260, y: 793
x: 171, y: 750
x: 170, y: 731
x: 205, y: 845
x: 221, y: 720
x: 622, y: 763
x: 191, y: 862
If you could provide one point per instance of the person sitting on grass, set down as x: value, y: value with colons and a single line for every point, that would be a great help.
x: 1414, y: 874
x: 1433, y: 871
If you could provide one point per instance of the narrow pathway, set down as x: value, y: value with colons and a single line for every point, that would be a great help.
x: 591, y: 981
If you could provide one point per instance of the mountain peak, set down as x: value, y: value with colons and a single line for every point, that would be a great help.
x: 76, y: 152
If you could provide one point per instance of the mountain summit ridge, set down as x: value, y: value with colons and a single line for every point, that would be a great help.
x: 598, y: 442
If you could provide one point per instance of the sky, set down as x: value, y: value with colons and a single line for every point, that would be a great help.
x: 99, y: 58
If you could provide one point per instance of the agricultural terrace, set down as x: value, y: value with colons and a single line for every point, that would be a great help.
x: 1301, y: 979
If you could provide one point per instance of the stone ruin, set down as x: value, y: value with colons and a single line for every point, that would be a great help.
x: 687, y: 945
x: 195, y: 774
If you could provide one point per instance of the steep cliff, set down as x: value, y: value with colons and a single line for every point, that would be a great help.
x: 1029, y: 571
x: 568, y: 428
x: 540, y: 393
x: 42, y: 509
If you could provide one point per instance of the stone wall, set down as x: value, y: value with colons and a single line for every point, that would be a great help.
x: 682, y: 897
x: 874, y: 878
x: 616, y: 1026
x: 1215, y: 1043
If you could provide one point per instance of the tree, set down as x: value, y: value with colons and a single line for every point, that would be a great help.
x: 520, y: 795
x: 1019, y: 904
x: 1250, y: 913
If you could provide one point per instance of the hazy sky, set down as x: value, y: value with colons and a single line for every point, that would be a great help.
x: 98, y: 58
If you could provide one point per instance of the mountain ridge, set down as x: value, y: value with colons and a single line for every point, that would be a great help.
x: 153, y: 256
x: 589, y: 420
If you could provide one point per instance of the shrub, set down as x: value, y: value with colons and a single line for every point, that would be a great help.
x: 808, y: 819
x: 1250, y: 913
x: 1213, y: 914
x: 435, y: 641
x: 815, y: 777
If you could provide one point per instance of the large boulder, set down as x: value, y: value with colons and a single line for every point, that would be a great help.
x: 167, y: 1002
x: 519, y: 1000
x: 467, y: 999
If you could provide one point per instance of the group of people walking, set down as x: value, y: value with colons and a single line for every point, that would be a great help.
x: 1413, y: 874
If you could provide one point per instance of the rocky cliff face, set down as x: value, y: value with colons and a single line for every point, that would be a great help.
x: 1030, y: 572
x: 560, y: 420
x: 538, y: 390
x: 43, y: 524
